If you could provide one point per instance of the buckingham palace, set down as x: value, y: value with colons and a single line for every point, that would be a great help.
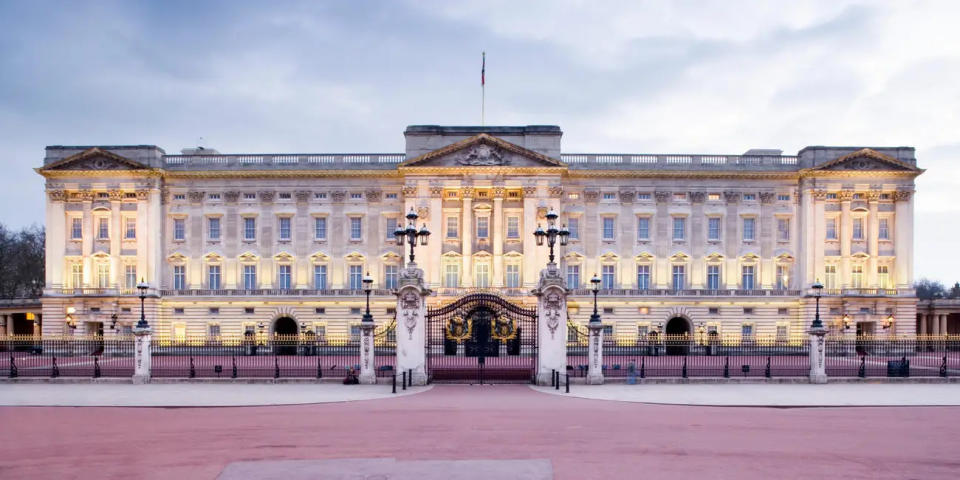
x: 280, y: 243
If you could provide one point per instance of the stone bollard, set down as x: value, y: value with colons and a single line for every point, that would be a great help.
x: 818, y: 355
x: 141, y: 355
x: 595, y: 368
x: 368, y: 373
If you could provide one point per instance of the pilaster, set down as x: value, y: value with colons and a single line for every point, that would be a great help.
x: 466, y: 246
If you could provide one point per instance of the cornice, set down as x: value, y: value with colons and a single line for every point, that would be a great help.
x: 467, y: 170
x: 153, y: 172
x: 279, y: 173
x: 812, y: 173
x: 680, y: 173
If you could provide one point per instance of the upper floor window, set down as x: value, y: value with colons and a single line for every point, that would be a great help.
x: 783, y: 229
x: 249, y: 228
x: 103, y: 275
x: 214, y: 228
x: 249, y: 196
x: 320, y: 228
x: 356, y: 196
x: 513, y: 276
x: 713, y: 197
x: 607, y: 276
x: 746, y: 278
x: 609, y: 196
x: 830, y: 277
x: 608, y: 228
x: 179, y: 229
x: 782, y: 277
x: 214, y: 196
x: 390, y: 196
x: 679, y: 228
x: 76, y: 275
x: 103, y: 228
x: 482, y: 275
x: 748, y: 228
x: 179, y: 277
x: 285, y: 233
x: 356, y: 277
x: 573, y: 276
x: 513, y: 227
x: 213, y: 277
x: 179, y: 196
x: 643, y: 277
x: 783, y: 198
x: 483, y: 227
x: 831, y: 233
x: 574, y: 227
x: 831, y: 196
x: 644, y: 196
x: 284, y: 196
x: 856, y: 276
x: 883, y: 276
x: 453, y: 224
x: 320, y: 277
x: 391, y: 228
x: 858, y: 229
x: 130, y: 232
x: 284, y: 277
x: 249, y: 277
x: 320, y: 195
x: 713, y: 277
x: 130, y: 277
x: 451, y: 275
x: 679, y: 277
x: 884, y: 229
x: 713, y: 228
x: 643, y: 228
x: 390, y: 276
x: 76, y: 228
x: 356, y: 228
x: 749, y: 196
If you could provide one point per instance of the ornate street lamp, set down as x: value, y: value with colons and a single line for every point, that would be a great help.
x: 142, y: 287
x: 817, y: 288
x: 552, y: 233
x: 595, y: 283
x: 411, y: 234
x: 367, y: 287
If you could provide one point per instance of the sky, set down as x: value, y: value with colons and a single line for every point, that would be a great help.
x: 637, y: 76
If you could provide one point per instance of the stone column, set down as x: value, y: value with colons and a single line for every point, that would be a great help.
x: 3, y: 325
x: 466, y: 236
x: 818, y: 238
x: 903, y: 239
x: 595, y: 369
x: 943, y: 324
x: 57, y: 232
x: 368, y: 374
x: 935, y: 322
x: 846, y: 236
x: 871, y: 279
x: 818, y: 355
x: 498, y: 237
x: 551, y: 295
x: 411, y: 324
x: 141, y: 345
x: 923, y: 324
x: 529, y: 223
x: 732, y: 233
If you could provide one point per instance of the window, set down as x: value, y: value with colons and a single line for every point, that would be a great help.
x: 679, y: 228
x: 608, y: 228
x: 320, y: 310
x: 643, y: 277
x: 213, y: 277
x: 746, y: 277
x: 713, y: 228
x: 130, y: 277
x: 783, y: 229
x: 248, y: 310
x: 783, y: 277
x: 320, y: 228
x: 513, y: 276
x: 783, y: 198
x: 284, y: 228
x: 249, y: 277
x: 453, y: 230
x: 180, y: 331
x: 179, y: 229
x: 319, y: 196
x: 356, y: 228
x: 513, y: 227
x: 746, y: 330
x: 679, y: 197
x: 573, y: 276
x: 749, y: 196
x: 179, y: 196
x: 130, y: 232
x: 214, y: 228
x: 609, y: 196
x: 391, y: 228
x: 831, y: 229
x: 607, y: 276
x: 782, y: 311
x: 643, y: 228
x: 574, y: 228
x: 642, y: 332
x: 748, y: 229
x: 884, y: 229
x: 249, y: 228
x: 644, y: 196
x: 285, y: 196
x: 482, y: 275
x: 483, y: 227
x: 356, y: 277
x: 858, y: 196
x: 856, y: 276
x: 356, y: 196
x: 451, y: 275
x: 283, y: 277
x: 249, y: 196
x: 214, y: 196
x: 830, y: 277
x: 571, y: 196
x: 179, y: 277
x: 390, y: 276
x: 390, y: 196
x: 320, y: 277
x: 858, y: 228
x: 831, y: 196
x: 76, y: 275
x: 103, y: 228
x: 883, y: 276
x: 713, y: 310
x: 713, y: 277
x: 213, y: 329
x: 713, y: 197
x: 679, y: 272
x: 76, y: 228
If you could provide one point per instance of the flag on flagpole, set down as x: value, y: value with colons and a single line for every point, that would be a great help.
x: 483, y: 70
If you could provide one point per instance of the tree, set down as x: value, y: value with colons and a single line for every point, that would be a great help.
x: 928, y: 289
x: 21, y: 262
x: 955, y: 291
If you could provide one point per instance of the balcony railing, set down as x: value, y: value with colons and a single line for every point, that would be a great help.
x: 679, y: 161
x: 283, y: 161
x: 459, y: 291
x: 631, y: 292
x: 340, y: 292
x: 867, y: 292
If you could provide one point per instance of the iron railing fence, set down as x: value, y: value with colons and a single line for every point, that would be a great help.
x: 68, y: 356
x: 256, y: 356
x: 880, y: 356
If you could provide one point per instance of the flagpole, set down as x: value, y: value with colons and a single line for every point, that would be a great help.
x: 483, y: 90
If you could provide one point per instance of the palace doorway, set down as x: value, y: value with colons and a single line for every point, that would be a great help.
x: 677, y: 338
x: 285, y: 336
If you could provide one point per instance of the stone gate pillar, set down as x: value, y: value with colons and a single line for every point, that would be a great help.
x: 595, y: 348
x: 818, y: 355
x: 411, y: 324
x: 368, y: 374
x: 141, y: 354
x: 551, y: 295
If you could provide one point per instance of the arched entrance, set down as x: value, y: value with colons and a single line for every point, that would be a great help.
x: 678, y: 336
x: 285, y: 336
x: 481, y: 338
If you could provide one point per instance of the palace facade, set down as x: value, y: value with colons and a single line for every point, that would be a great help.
x: 279, y: 243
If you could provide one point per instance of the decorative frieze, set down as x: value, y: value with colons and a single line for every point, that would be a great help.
x: 555, y: 191
x: 423, y: 212
x: 767, y: 198
x: 467, y: 192
x: 697, y: 197
x: 195, y: 196
x: 662, y: 197
x: 57, y: 195
x: 435, y: 191
x: 373, y: 195
x: 266, y: 196
x: 529, y: 190
x: 231, y: 196
x: 409, y: 191
x: 845, y: 195
x: 591, y: 195
x: 627, y: 196
x: 499, y: 192
x: 115, y: 195
x: 731, y: 197
x: 902, y: 195
x: 338, y: 196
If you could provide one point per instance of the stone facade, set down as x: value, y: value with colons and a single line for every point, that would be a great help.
x: 721, y: 242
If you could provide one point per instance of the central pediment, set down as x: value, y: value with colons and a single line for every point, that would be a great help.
x: 483, y: 150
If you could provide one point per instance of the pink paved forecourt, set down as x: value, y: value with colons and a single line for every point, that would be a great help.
x: 581, y: 438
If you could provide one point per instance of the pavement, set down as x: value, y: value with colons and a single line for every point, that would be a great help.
x: 773, y: 395
x: 189, y: 394
x: 466, y: 432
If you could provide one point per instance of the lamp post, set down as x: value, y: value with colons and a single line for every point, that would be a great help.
x: 552, y: 233
x: 817, y: 288
x: 367, y: 287
x: 411, y: 234
x: 142, y: 288
x: 595, y: 287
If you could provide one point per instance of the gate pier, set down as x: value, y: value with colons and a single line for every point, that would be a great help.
x: 411, y: 324
x: 551, y: 295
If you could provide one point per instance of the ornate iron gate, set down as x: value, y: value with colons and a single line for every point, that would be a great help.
x: 481, y: 338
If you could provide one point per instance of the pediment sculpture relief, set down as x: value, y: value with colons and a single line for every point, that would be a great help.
x: 481, y: 155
